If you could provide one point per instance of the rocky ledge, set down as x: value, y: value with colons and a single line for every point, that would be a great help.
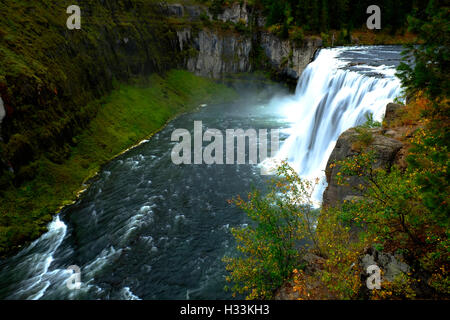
x: 389, y: 146
x: 214, y: 52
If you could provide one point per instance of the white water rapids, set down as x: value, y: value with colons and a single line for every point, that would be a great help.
x: 330, y: 99
x: 149, y: 229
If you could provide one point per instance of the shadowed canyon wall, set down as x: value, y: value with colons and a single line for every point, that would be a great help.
x: 50, y: 75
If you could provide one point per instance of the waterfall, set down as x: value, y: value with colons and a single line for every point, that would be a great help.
x: 126, y: 234
x: 331, y: 97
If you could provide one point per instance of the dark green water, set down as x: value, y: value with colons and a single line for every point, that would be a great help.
x: 147, y: 228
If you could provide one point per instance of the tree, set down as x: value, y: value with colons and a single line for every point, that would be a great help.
x: 269, y: 247
x: 431, y: 58
x: 324, y: 23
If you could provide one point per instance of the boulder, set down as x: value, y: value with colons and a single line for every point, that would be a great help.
x: 385, y: 149
x: 392, y: 112
x: 390, y: 266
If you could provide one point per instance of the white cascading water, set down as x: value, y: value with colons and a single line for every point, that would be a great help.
x: 328, y: 101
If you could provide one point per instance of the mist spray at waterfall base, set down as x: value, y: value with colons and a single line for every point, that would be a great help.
x: 149, y: 229
x: 332, y: 96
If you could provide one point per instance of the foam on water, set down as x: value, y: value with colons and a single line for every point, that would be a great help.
x: 35, y: 261
x: 126, y: 294
x: 330, y: 99
x: 140, y: 226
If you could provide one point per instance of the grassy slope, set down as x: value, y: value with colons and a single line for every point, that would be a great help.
x: 48, y: 73
x: 129, y: 114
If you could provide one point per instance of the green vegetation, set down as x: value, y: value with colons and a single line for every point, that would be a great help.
x: 48, y: 73
x: 402, y: 211
x: 52, y: 81
x: 338, y: 22
x: 324, y: 15
x: 430, y: 72
x: 269, y: 246
x: 123, y: 118
x: 365, y: 136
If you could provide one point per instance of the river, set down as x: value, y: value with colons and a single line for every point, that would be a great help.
x: 149, y: 229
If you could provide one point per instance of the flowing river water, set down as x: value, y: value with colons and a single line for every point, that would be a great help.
x: 149, y: 229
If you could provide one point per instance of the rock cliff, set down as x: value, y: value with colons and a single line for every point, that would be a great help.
x: 215, y: 52
x: 50, y: 76
x: 46, y: 90
x: 388, y: 144
x: 286, y: 57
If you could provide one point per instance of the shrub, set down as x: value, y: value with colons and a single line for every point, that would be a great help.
x: 401, y: 215
x: 326, y: 39
x: 269, y: 246
x: 298, y: 37
x: 241, y: 27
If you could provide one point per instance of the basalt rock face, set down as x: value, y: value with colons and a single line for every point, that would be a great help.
x: 390, y: 144
x: 392, y: 112
x: 47, y: 83
x: 49, y: 74
x: 286, y: 57
x: 385, y: 150
x: 236, y: 13
x: 215, y: 53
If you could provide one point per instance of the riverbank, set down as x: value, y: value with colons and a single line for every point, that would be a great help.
x: 128, y: 115
x: 44, y: 84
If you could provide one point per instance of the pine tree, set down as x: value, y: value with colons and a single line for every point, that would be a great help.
x: 324, y: 23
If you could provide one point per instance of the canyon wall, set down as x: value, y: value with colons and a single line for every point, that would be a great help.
x: 388, y: 144
x: 218, y: 51
x: 51, y: 75
x: 2, y: 115
x: 216, y: 55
